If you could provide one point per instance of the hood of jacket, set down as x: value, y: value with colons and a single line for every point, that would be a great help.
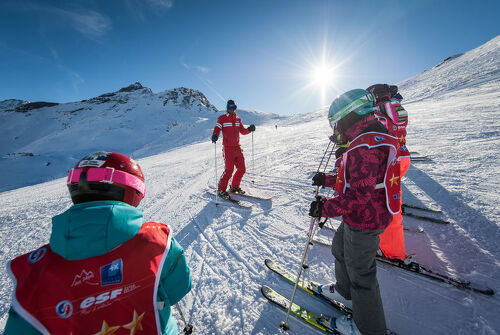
x: 94, y: 228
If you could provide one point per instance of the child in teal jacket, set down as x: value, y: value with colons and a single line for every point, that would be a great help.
x: 101, y: 222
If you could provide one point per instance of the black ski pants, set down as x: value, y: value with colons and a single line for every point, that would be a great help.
x: 356, y: 273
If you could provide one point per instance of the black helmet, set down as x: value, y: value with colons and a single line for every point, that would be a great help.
x: 231, y: 105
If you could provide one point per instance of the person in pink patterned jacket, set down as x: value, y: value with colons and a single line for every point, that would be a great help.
x: 369, y: 189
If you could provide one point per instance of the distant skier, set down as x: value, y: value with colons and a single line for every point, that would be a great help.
x: 368, y: 187
x: 104, y: 268
x: 231, y: 127
x: 394, y: 117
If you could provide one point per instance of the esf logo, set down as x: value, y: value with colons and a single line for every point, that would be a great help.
x: 378, y: 138
x: 64, y: 309
x: 101, y: 298
x: 37, y: 255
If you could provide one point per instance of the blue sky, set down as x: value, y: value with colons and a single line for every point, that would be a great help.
x: 260, y: 53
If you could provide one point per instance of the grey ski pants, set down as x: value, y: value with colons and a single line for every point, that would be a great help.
x: 356, y: 273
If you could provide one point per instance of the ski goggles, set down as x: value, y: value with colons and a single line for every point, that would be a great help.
x: 108, y: 175
x: 232, y: 107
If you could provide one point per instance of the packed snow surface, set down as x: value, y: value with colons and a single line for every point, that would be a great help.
x: 226, y: 245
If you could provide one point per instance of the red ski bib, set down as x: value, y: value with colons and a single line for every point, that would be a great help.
x: 392, y: 177
x: 115, y: 293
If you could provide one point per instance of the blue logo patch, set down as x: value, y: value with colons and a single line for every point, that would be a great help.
x: 396, y: 196
x: 378, y: 138
x: 64, y: 309
x: 112, y: 273
x: 37, y: 255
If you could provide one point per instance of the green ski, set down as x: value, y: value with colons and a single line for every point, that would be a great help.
x: 319, y: 321
x: 307, y: 286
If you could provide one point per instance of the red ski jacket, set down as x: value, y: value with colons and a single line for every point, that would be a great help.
x: 231, y: 127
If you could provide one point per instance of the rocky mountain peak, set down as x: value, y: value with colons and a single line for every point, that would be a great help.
x: 187, y: 97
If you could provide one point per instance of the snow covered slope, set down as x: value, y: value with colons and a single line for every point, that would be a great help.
x: 41, y: 140
x: 454, y: 115
x: 226, y: 245
x: 478, y: 68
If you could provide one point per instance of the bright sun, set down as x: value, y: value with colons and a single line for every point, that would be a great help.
x: 322, y: 76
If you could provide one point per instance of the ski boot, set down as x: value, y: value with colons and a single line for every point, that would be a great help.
x: 236, y: 189
x: 326, y: 321
x: 223, y: 194
x: 346, y: 325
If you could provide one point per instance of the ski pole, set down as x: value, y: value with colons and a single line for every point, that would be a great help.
x: 329, y: 157
x: 188, y: 328
x: 216, y: 185
x: 322, y: 158
x: 253, y: 159
x: 284, y: 324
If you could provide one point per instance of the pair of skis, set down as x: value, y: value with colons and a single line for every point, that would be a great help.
x: 405, y: 207
x: 324, y: 322
x: 235, y: 199
x: 321, y: 322
x: 428, y: 273
x: 421, y: 270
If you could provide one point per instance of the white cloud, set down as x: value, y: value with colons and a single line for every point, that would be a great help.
x: 202, y: 69
x: 88, y: 22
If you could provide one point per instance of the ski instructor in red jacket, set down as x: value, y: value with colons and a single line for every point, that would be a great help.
x: 231, y: 127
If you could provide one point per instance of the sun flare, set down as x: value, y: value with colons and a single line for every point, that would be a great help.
x: 322, y: 76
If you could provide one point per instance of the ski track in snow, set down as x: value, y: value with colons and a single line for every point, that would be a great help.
x: 225, y: 246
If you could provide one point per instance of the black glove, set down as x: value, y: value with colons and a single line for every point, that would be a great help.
x: 319, y: 179
x: 316, y: 207
x: 251, y: 127
x: 214, y: 138
x: 340, y: 151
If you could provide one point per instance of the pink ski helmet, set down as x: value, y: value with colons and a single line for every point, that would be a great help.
x: 106, y: 175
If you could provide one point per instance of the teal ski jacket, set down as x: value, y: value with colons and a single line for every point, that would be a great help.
x: 95, y: 228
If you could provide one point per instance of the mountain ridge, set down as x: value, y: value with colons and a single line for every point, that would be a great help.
x: 50, y: 137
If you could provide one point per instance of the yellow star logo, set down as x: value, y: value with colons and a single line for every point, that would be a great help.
x: 394, y: 180
x: 135, y: 325
x: 402, y: 138
x: 106, y: 330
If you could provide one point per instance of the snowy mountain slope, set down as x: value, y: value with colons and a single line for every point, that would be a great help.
x: 41, y: 140
x: 480, y: 66
x: 226, y: 245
